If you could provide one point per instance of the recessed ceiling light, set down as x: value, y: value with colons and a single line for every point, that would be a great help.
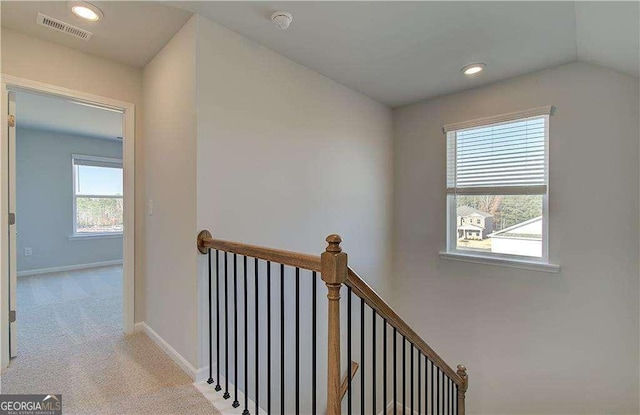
x: 84, y: 10
x: 473, y: 69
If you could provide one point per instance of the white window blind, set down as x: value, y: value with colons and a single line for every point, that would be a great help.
x: 507, y: 158
x: 81, y: 160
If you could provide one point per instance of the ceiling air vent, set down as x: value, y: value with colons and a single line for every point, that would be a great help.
x: 63, y: 27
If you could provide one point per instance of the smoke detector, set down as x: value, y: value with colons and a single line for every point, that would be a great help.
x: 282, y: 20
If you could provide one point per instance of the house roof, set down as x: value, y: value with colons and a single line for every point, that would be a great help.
x: 529, y: 229
x: 469, y: 211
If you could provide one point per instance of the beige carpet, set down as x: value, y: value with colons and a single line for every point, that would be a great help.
x: 78, y: 350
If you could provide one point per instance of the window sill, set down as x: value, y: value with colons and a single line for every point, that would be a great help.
x: 504, y: 262
x: 80, y: 236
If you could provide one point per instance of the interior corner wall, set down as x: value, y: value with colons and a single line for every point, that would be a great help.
x: 170, y: 175
x: 287, y: 156
x: 533, y: 342
x: 38, y: 60
x: 44, y: 177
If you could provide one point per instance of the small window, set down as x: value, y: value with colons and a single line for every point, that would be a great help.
x: 499, y: 171
x: 97, y: 189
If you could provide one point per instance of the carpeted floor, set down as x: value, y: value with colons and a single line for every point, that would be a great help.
x: 71, y: 342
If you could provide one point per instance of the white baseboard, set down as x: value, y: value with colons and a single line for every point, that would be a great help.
x: 69, y: 268
x: 202, y: 374
x: 170, y: 351
x: 399, y: 410
x: 225, y: 406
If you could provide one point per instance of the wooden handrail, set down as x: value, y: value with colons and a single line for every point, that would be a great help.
x: 294, y: 259
x: 373, y: 300
x: 332, y: 265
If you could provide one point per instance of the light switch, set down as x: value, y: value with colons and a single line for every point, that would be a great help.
x: 150, y: 207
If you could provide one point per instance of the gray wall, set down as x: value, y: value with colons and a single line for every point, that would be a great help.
x: 286, y: 157
x: 44, y: 200
x: 533, y: 342
x: 169, y: 117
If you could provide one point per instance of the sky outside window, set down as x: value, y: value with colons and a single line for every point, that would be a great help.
x: 98, y: 181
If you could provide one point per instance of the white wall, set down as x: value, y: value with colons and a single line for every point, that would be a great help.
x: 285, y: 158
x: 170, y: 180
x: 44, y: 200
x: 533, y: 342
x: 30, y: 58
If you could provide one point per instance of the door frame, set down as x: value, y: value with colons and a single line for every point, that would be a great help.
x: 9, y: 82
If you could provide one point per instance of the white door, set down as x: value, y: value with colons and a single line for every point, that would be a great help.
x: 13, y: 271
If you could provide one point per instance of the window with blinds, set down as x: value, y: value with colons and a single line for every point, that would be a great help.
x: 98, y: 207
x: 497, y: 179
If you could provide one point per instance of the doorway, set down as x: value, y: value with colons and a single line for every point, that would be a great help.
x: 67, y: 245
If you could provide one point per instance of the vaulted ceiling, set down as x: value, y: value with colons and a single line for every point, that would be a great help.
x: 394, y: 52
x: 401, y: 52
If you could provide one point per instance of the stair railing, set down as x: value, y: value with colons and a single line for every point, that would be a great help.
x: 438, y: 391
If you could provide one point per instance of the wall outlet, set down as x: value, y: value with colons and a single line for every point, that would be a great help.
x: 28, y: 251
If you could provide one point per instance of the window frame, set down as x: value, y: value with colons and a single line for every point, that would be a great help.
x: 541, y: 263
x: 91, y: 235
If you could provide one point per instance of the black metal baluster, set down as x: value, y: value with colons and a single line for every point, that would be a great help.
x: 419, y: 383
x: 282, y: 402
x: 395, y: 371
x: 445, y: 397
x: 246, y: 344
x: 314, y: 344
x: 449, y: 403
x: 218, y: 386
x: 226, y: 329
x: 255, y: 271
x: 384, y: 366
x: 438, y: 389
x: 269, y: 338
x: 455, y: 389
x: 444, y: 394
x: 235, y: 328
x: 450, y: 397
x: 411, y: 381
x: 362, y: 377
x: 373, y: 360
x: 426, y: 385
x: 404, y: 375
x: 297, y: 341
x: 433, y: 397
x: 349, y: 349
x: 210, y: 380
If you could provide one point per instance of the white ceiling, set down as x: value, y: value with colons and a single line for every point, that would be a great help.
x: 608, y: 34
x: 394, y: 52
x: 401, y: 52
x: 132, y: 32
x: 48, y: 113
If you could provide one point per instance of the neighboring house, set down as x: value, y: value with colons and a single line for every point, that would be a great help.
x: 524, y: 238
x: 473, y: 223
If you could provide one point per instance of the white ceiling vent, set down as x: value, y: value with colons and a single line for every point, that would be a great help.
x: 63, y: 27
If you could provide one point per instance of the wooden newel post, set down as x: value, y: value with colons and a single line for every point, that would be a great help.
x: 334, y: 274
x: 462, y: 372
